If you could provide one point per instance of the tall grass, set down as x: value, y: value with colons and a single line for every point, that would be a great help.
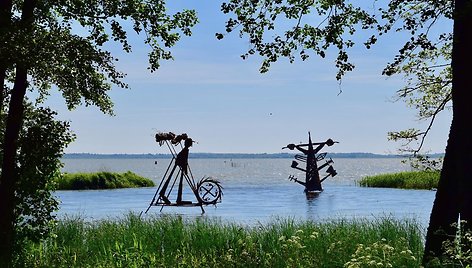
x: 174, y: 242
x: 102, y: 180
x: 405, y: 180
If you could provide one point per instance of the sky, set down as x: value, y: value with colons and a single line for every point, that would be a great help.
x: 225, y: 105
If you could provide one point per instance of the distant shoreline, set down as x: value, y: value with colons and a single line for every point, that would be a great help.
x: 230, y: 155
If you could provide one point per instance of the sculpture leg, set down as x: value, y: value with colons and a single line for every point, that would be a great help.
x: 162, y: 193
x: 179, y: 193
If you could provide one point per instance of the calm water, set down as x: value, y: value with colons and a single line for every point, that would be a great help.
x: 255, y: 191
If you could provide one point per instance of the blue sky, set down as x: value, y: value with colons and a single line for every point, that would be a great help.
x: 226, y: 105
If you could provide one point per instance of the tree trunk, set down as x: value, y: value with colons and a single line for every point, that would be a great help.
x: 3, y: 72
x: 453, y: 198
x: 462, y: 58
x: 5, y: 21
x: 9, y: 174
x: 14, y: 122
x: 5, y: 230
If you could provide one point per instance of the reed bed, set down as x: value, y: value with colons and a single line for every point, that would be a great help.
x: 102, y: 180
x: 426, y: 180
x: 171, y: 241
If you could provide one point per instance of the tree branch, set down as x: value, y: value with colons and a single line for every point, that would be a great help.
x: 433, y: 117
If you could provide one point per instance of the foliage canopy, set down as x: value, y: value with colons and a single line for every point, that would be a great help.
x: 302, y: 28
x: 66, y: 43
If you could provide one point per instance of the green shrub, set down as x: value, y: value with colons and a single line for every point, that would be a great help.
x: 102, y: 180
x: 404, y: 180
x: 457, y: 251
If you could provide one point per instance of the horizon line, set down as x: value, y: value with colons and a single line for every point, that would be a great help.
x: 240, y: 153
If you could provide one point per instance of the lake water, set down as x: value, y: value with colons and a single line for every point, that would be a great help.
x: 255, y: 191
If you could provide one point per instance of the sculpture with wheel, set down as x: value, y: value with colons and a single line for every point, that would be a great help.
x: 207, y: 191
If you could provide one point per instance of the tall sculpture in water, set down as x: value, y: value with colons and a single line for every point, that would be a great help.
x: 207, y: 191
x: 311, y: 157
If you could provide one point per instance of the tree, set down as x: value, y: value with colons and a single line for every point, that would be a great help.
x: 64, y: 44
x: 337, y: 24
x: 41, y: 144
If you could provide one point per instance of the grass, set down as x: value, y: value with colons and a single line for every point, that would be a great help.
x: 102, y: 180
x: 404, y: 180
x: 174, y: 242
